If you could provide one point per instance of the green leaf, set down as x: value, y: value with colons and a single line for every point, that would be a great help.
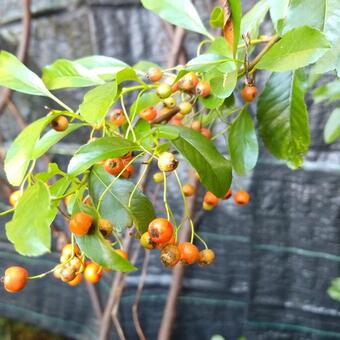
x: 242, y: 141
x: 181, y: 13
x: 21, y: 150
x: 115, y: 204
x: 206, y: 62
x: 236, y: 14
x: 96, y: 247
x: 102, y: 66
x: 214, y: 170
x: 299, y: 47
x: 332, y: 128
x: 144, y: 66
x: 98, y: 150
x: 16, y: 76
x: 328, y: 92
x: 98, y: 101
x: 52, y: 170
x: 211, y: 102
x: 52, y: 137
x: 143, y: 133
x: 223, y: 84
x: 283, y: 117
x: 334, y: 293
x: 252, y: 20
x: 66, y: 73
x: 217, y: 17
x: 219, y: 46
x: 29, y: 230
x: 278, y: 11
x: 305, y: 13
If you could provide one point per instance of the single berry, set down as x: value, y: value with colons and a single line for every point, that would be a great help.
x: 175, y: 87
x: 75, y: 263
x: 67, y: 274
x: 158, y: 177
x: 185, y: 108
x: 203, y: 88
x: 163, y: 91
x: 170, y: 255
x: 59, y: 123
x: 117, y: 117
x: 105, y: 227
x: 154, y: 74
x: 206, y: 133
x: 207, y: 206
x: 169, y: 102
x: 241, y: 197
x: 146, y: 242
x: 196, y: 125
x: 228, y: 194
x: 122, y: 253
x: 14, y: 197
x: 15, y: 279
x: 92, y: 272
x: 149, y: 114
x: 248, y: 93
x: 189, y: 253
x: 188, y: 190
x: 167, y: 162
x: 160, y: 230
x: 70, y: 250
x: 114, y: 166
x: 207, y: 256
x: 188, y: 82
x: 128, y: 156
x: 129, y: 171
x: 176, y: 121
x: 76, y: 280
x: 160, y: 246
x: 80, y: 223
x: 210, y: 198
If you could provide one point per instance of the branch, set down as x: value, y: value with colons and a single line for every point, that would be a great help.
x: 167, y: 116
x: 6, y: 94
x: 176, y: 48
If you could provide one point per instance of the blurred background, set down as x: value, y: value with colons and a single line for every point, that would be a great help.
x: 275, y: 257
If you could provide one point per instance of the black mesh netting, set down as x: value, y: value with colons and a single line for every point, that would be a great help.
x: 275, y: 258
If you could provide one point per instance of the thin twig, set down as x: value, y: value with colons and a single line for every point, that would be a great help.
x: 166, y: 116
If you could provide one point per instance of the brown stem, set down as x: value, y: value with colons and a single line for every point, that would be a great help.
x: 267, y: 47
x: 178, y: 38
x: 6, y: 94
x: 166, y: 116
x: 140, y: 287
x: 169, y: 314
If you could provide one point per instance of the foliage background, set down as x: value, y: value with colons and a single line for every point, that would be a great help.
x: 275, y: 258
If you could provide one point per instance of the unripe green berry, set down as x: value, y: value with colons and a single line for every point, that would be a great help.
x: 167, y: 161
x: 169, y: 102
x: 163, y: 91
x: 185, y: 108
x: 158, y: 177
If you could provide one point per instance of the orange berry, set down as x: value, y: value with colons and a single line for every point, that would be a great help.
x: 60, y: 123
x: 211, y: 199
x: 14, y: 197
x: 196, y: 125
x: 189, y: 252
x: 105, y: 227
x: 203, y: 88
x: 76, y: 280
x: 117, y: 117
x: 241, y: 198
x: 248, y: 93
x: 228, y: 194
x: 80, y: 223
x: 93, y: 272
x: 114, y: 166
x: 189, y: 81
x: 154, y: 74
x: 68, y: 250
x: 149, y: 114
x: 170, y: 255
x: 160, y: 230
x: 188, y: 190
x: 206, y: 132
x: 15, y: 279
x: 207, y: 256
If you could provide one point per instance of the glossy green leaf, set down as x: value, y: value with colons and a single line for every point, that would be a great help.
x: 96, y: 247
x: 219, y: 46
x: 66, y: 73
x: 102, y: 66
x: 236, y: 14
x: 252, y: 20
x: 211, y: 102
x: 181, y: 13
x: 278, y: 11
x: 143, y: 134
x: 328, y: 92
x: 299, y: 47
x: 52, y: 170
x: 206, y: 62
x: 332, y: 127
x: 29, y: 229
x: 98, y: 101
x: 144, y: 66
x: 217, y: 17
x: 283, y: 117
x: 21, y: 150
x: 242, y: 141
x: 52, y: 137
x: 115, y: 204
x: 223, y: 84
x: 16, y: 76
x: 214, y: 170
x: 98, y: 150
